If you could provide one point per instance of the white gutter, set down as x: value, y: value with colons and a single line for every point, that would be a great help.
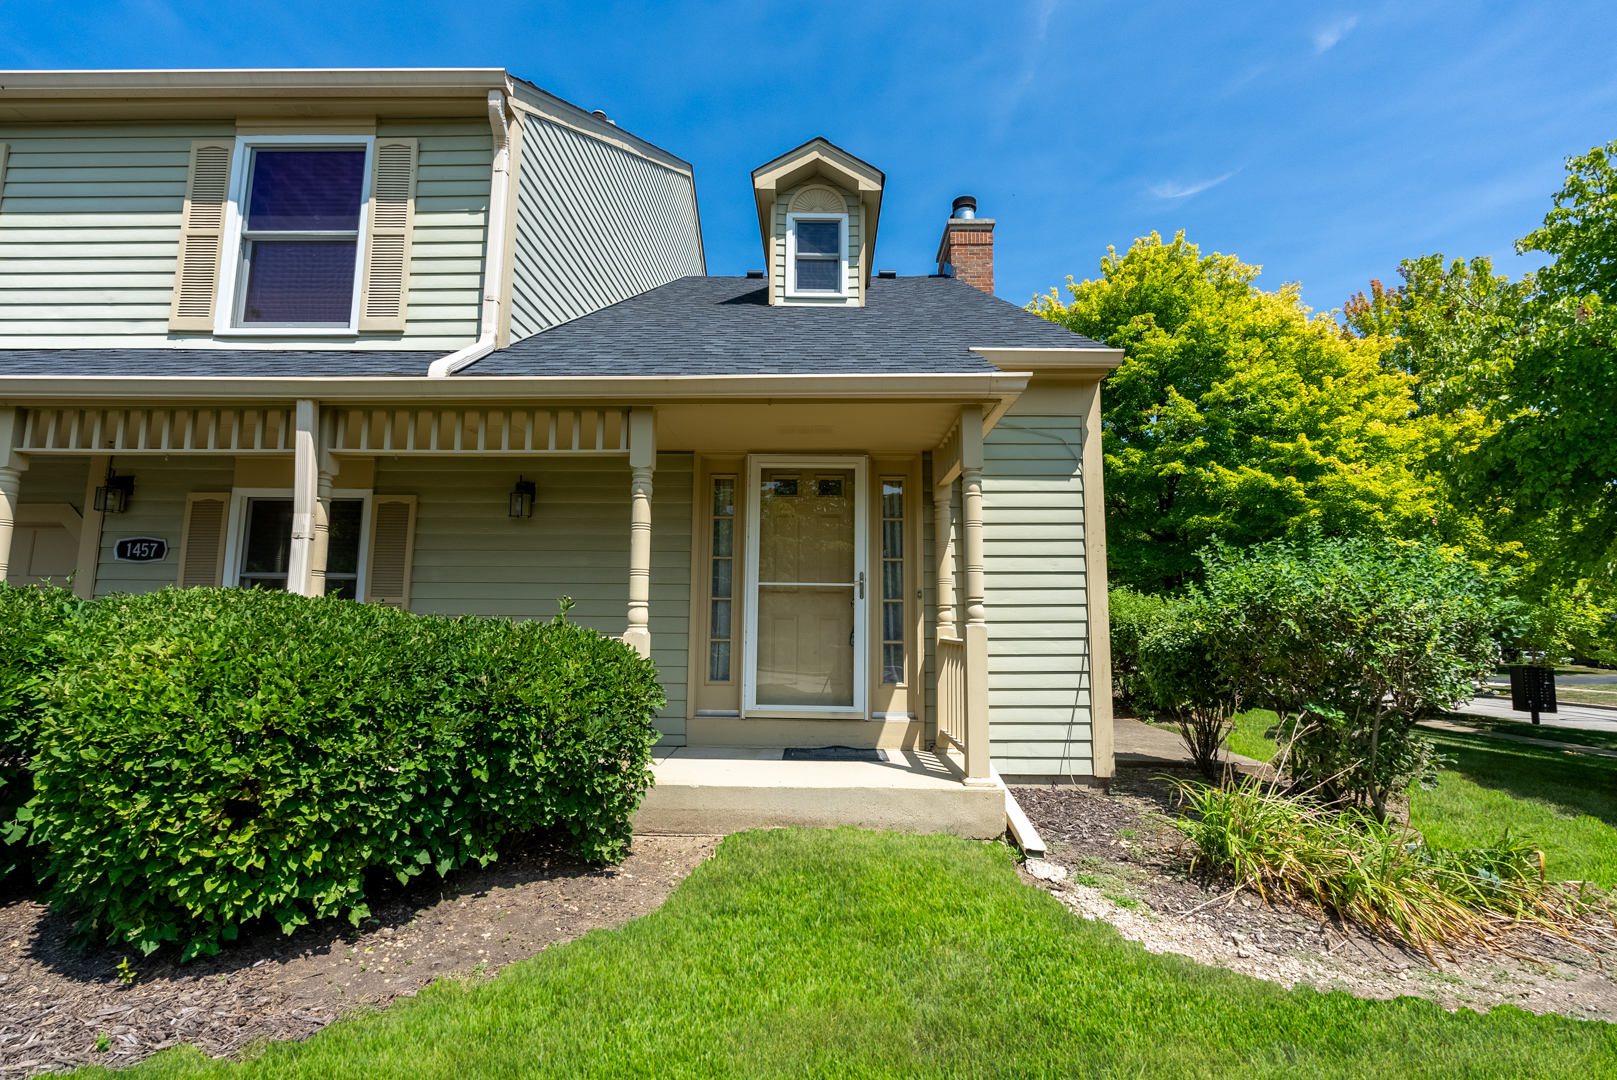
x: 494, y: 250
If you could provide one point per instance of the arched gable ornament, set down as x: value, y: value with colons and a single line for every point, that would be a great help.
x: 818, y: 200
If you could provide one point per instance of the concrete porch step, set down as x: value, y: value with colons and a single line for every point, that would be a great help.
x: 716, y: 790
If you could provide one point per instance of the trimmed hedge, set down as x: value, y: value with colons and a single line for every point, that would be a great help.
x: 211, y: 756
x: 30, y: 620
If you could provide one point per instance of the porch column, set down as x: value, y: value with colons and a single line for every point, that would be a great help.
x: 305, y: 502
x: 943, y: 549
x: 12, y: 466
x: 643, y: 461
x: 326, y: 472
x: 90, y: 531
x: 976, y: 635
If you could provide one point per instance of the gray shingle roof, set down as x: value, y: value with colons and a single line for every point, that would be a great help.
x: 693, y: 326
x: 213, y: 363
x: 724, y: 326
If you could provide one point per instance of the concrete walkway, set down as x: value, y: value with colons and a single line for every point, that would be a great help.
x: 1587, y: 717
x: 1139, y: 745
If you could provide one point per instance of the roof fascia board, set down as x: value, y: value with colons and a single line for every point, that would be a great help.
x: 556, y: 111
x: 1098, y: 360
x: 23, y: 390
x: 253, y: 82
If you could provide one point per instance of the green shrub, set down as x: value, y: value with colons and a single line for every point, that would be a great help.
x: 29, y: 619
x: 1185, y: 679
x: 1350, y: 642
x: 214, y: 756
x: 1132, y: 614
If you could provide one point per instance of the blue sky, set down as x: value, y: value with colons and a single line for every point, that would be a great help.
x: 1323, y: 141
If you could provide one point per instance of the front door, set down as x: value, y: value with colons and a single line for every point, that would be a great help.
x: 806, y: 584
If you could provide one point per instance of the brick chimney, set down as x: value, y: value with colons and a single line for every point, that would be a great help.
x: 967, y: 248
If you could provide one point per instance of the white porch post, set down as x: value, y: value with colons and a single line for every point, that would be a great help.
x: 643, y: 461
x: 90, y: 531
x: 305, y: 502
x: 12, y: 466
x: 976, y: 635
x: 943, y: 549
x: 327, y: 470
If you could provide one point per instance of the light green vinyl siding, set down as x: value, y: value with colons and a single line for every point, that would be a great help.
x: 471, y: 558
x: 855, y: 279
x: 61, y: 480
x: 1038, y: 636
x: 596, y: 224
x: 90, y: 228
x: 156, y: 508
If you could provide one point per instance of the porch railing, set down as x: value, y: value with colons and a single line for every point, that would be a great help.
x: 951, y: 654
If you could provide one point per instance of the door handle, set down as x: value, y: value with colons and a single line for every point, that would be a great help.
x: 861, y: 584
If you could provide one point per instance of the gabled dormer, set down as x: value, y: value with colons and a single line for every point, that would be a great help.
x: 818, y: 207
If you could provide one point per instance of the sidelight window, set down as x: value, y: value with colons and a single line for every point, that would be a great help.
x: 723, y: 559
x: 892, y: 580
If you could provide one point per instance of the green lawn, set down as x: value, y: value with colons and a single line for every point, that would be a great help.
x: 1249, y: 738
x: 811, y: 953
x: 1605, y: 739
x: 1565, y: 802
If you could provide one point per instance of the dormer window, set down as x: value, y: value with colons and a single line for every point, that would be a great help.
x: 817, y: 254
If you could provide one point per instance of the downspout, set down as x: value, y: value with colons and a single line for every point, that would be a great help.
x: 494, y: 252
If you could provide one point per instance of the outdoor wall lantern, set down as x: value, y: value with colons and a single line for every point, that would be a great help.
x: 522, y: 498
x: 113, y: 496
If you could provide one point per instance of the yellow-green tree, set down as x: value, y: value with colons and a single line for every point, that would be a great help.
x: 1239, y: 414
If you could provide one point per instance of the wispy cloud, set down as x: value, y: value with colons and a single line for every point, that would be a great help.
x: 1328, y: 35
x: 1172, y: 190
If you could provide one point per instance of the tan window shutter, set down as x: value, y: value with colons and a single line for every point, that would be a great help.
x: 387, y: 252
x: 202, y: 235
x: 4, y: 149
x: 202, y: 545
x: 392, y: 551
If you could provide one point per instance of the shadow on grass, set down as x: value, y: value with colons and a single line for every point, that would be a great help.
x: 1570, y: 782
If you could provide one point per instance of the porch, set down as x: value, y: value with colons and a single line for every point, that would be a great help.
x: 626, y: 526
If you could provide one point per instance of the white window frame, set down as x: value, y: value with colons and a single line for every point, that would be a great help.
x: 230, y: 276
x: 791, y: 255
x: 860, y: 709
x: 236, y: 529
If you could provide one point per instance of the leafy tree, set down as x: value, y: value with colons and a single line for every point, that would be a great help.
x: 1556, y: 446
x: 1238, y: 414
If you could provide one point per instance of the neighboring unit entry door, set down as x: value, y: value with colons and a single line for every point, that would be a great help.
x: 806, y: 624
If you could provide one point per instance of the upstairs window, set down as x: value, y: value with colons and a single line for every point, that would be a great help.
x: 816, y: 252
x: 300, y: 237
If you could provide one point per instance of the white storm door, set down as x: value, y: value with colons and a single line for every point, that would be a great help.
x: 807, y: 624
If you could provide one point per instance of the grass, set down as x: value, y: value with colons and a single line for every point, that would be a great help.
x: 851, y: 954
x: 1604, y: 739
x: 1248, y: 737
x: 1565, y: 802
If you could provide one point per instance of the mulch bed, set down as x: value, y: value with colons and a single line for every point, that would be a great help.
x: 55, y: 1004
x: 1126, y: 832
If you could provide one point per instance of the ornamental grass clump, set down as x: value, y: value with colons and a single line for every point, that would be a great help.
x: 212, y: 756
x: 1381, y: 874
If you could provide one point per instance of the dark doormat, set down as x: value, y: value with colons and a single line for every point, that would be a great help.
x: 832, y: 753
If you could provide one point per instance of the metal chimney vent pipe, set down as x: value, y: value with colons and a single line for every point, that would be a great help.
x: 965, y: 207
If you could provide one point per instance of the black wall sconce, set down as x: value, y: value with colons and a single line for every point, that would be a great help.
x: 113, y: 496
x: 522, y: 498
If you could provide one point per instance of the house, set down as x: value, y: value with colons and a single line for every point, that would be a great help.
x: 440, y: 340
